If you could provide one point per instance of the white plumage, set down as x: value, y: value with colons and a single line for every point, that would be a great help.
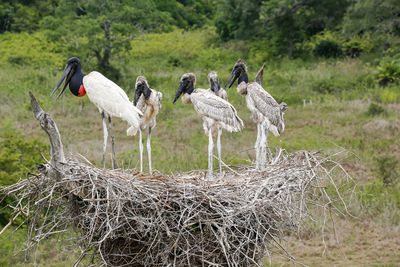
x: 216, y: 112
x: 110, y: 98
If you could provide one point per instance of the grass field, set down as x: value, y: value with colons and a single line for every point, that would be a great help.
x: 349, y: 111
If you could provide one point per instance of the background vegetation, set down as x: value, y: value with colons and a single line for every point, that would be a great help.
x: 342, y: 55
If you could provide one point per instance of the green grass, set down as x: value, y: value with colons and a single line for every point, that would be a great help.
x: 341, y: 115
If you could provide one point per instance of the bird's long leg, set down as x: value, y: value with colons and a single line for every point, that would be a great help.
x: 219, y: 148
x: 149, y: 148
x: 210, y: 153
x: 105, y: 138
x: 266, y: 133
x: 112, y: 143
x: 141, y: 149
x: 257, y: 145
x: 263, y: 144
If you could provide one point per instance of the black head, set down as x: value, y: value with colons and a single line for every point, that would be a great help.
x: 238, y: 71
x: 141, y: 87
x: 214, y: 83
x: 188, y: 80
x: 73, y: 66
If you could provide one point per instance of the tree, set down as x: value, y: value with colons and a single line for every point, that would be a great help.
x: 366, y: 16
x: 102, y: 28
x: 237, y: 19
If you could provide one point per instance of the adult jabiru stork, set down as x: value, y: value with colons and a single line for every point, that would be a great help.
x: 148, y: 101
x: 266, y: 112
x: 108, y: 97
x: 215, y: 112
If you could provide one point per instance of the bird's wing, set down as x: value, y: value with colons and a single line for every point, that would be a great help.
x: 110, y: 98
x: 264, y: 102
x: 141, y: 104
x: 209, y: 105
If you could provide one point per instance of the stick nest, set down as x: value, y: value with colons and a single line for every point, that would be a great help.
x: 132, y: 219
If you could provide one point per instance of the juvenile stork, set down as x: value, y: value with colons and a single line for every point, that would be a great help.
x: 216, y: 112
x: 215, y: 87
x: 148, y: 101
x: 108, y: 97
x: 266, y: 112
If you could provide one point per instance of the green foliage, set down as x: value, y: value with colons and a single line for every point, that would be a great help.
x: 10, y: 242
x: 25, y: 19
x: 328, y: 49
x: 388, y: 170
x: 186, y: 14
x: 388, y: 71
x: 31, y: 49
x: 369, y: 16
x: 390, y: 95
x: 6, y: 15
x: 380, y: 201
x: 18, y: 156
x: 236, y: 19
x: 357, y: 45
x: 375, y: 110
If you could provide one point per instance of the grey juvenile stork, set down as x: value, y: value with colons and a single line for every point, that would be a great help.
x: 213, y: 109
x: 266, y: 112
x: 108, y: 97
x: 218, y: 91
x: 215, y: 87
x: 148, y: 101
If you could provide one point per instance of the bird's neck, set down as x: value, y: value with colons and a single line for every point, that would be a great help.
x: 76, y: 83
x: 186, y: 99
x: 147, y: 93
x: 243, y: 78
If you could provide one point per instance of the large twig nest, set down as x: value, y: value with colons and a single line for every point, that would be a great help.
x: 181, y: 219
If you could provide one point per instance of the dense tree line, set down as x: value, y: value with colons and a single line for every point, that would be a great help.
x: 293, y: 28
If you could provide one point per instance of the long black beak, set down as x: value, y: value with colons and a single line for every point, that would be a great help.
x: 181, y: 87
x: 234, y: 75
x: 68, y: 73
x: 138, y: 92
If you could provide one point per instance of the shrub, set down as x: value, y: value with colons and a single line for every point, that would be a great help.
x: 328, y: 49
x: 331, y: 85
x: 355, y: 46
x: 18, y: 156
x: 388, y: 72
x: 375, y: 109
x: 388, y: 96
x: 388, y: 170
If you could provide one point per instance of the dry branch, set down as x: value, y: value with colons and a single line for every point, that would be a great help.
x: 131, y: 219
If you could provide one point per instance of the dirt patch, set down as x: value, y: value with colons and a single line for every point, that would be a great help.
x: 381, y: 124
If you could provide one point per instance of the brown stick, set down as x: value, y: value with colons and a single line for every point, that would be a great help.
x: 50, y: 127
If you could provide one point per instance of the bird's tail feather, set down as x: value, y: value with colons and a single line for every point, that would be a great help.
x: 133, y: 118
x: 131, y: 131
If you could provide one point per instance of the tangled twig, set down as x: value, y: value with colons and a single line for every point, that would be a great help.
x: 183, y: 219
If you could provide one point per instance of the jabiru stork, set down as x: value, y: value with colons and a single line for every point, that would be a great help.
x: 107, y: 96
